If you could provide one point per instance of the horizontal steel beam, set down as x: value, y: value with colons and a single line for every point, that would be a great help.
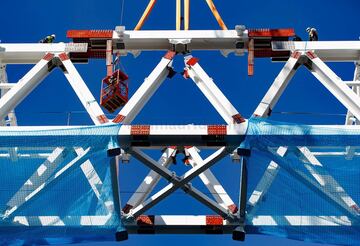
x: 182, y: 135
x: 7, y: 86
x: 31, y: 53
x: 134, y: 41
x: 325, y: 50
x: 352, y: 83
x: 180, y: 224
x: 163, y: 39
x: 188, y: 135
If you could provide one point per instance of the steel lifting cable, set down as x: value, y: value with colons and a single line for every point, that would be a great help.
x: 122, y: 12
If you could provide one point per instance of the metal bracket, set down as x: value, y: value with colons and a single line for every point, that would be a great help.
x: 124, y: 157
x: 240, y: 30
x: 120, y: 31
x: 180, y: 45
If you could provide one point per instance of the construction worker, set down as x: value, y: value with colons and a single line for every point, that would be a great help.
x: 48, y: 39
x: 313, y: 34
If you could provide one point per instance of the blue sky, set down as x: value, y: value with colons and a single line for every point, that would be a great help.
x: 178, y: 101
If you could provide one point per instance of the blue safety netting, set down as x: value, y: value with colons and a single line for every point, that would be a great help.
x: 58, y: 186
x: 308, y: 190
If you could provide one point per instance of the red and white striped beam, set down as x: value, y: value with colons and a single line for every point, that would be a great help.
x: 178, y: 224
x: 181, y: 135
x: 147, y: 40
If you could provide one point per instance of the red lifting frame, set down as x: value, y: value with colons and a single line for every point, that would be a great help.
x: 289, y: 32
x: 114, y: 92
x: 102, y: 34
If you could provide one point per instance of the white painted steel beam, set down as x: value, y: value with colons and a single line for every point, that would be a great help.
x: 45, y: 182
x: 333, y: 154
x: 186, y: 223
x: 44, y: 175
x: 352, y: 83
x: 278, y: 87
x: 264, y: 184
x: 322, y: 176
x: 145, y: 91
x: 186, y: 130
x: 11, y: 117
x: 26, y: 156
x: 326, y: 183
x: 197, y: 39
x: 211, y: 182
x: 37, y: 182
x: 326, y: 50
x: 82, y: 91
x: 316, y: 170
x: 214, y: 206
x: 173, y: 223
x: 90, y: 174
x: 211, y: 91
x: 184, y: 135
x: 312, y: 184
x: 350, y: 118
x: 3, y: 74
x: 57, y: 221
x: 31, y: 53
x: 133, y: 41
x: 273, y: 168
x: 7, y: 86
x: 181, y: 220
x: 149, y: 182
x: 131, y: 110
x: 152, y: 164
x: 25, y: 85
x: 334, y: 84
x: 298, y: 220
x: 45, y: 170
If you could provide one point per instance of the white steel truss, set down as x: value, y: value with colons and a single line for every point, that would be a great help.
x: 11, y: 117
x: 47, y: 172
x: 323, y: 181
x: 223, y: 205
x: 350, y: 117
x: 138, y: 204
x: 310, y: 54
x: 5, y: 86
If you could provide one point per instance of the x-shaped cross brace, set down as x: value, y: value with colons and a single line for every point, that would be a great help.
x: 179, y: 182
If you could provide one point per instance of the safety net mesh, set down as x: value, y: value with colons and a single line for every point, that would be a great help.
x: 307, y: 190
x: 57, y: 186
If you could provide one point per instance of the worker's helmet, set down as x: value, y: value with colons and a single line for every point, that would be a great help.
x: 53, y: 35
x: 308, y: 29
